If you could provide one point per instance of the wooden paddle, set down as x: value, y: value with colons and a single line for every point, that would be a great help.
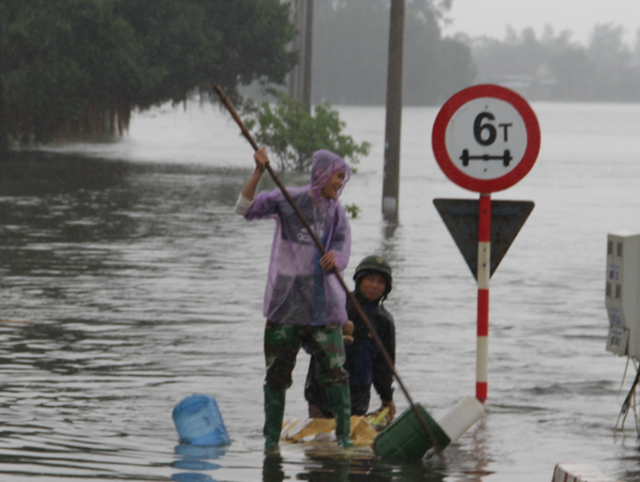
x: 322, y: 250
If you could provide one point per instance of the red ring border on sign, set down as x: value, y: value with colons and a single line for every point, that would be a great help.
x: 447, y: 111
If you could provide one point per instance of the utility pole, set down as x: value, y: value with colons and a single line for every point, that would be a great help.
x: 300, y: 76
x: 391, y: 180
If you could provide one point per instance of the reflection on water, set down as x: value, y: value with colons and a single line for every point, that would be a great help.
x: 100, y: 260
x: 196, y: 458
x: 126, y: 286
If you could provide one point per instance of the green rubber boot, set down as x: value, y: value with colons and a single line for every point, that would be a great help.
x: 340, y: 403
x: 274, y: 413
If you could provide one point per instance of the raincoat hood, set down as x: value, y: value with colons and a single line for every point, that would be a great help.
x: 325, y: 165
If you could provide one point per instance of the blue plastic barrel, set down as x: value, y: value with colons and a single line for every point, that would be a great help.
x: 199, y: 422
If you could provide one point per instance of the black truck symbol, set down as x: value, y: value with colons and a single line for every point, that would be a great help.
x: 505, y: 157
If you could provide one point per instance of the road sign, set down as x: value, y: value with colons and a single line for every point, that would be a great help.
x: 461, y: 218
x: 486, y: 138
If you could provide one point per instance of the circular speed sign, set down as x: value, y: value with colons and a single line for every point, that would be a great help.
x: 486, y: 138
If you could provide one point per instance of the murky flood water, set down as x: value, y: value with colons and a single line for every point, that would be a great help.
x: 128, y: 283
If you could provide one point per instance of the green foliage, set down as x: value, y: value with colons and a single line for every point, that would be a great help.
x: 77, y: 68
x: 352, y: 210
x: 293, y: 135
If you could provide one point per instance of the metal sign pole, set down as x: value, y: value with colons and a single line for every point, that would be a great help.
x: 485, y: 138
x: 484, y: 275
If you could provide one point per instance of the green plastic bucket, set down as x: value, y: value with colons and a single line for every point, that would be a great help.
x: 407, y: 439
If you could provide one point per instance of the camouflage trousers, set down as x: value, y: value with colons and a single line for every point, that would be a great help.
x: 282, y: 344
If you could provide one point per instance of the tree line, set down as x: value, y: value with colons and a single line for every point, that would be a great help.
x: 351, y: 42
x: 553, y: 67
x: 350, y: 58
x: 75, y: 69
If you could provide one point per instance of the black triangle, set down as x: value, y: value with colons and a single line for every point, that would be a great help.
x: 461, y: 218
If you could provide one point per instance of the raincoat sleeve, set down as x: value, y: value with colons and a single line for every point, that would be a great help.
x: 265, y: 205
x: 340, y: 242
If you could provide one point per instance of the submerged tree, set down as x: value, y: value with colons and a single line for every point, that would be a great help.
x: 75, y: 69
x: 293, y: 134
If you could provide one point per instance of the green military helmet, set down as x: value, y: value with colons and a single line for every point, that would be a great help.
x: 374, y: 264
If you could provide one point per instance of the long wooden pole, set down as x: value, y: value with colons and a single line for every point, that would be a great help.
x: 322, y: 250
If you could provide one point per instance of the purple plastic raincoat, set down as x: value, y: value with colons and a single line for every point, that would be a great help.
x: 298, y: 291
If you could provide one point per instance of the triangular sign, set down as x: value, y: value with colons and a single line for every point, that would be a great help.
x: 461, y: 218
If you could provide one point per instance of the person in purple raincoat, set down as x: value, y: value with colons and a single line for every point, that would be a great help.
x: 304, y: 302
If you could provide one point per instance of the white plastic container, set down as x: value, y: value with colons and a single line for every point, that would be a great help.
x: 461, y: 417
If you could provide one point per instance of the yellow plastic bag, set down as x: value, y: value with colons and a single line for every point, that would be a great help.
x: 362, y: 433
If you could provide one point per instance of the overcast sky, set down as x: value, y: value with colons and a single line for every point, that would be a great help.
x: 491, y: 17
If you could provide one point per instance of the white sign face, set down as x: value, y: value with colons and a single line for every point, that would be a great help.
x: 486, y: 138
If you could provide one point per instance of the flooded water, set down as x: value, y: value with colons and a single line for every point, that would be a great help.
x: 127, y: 283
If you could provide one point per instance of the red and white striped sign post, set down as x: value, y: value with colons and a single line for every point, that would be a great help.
x: 484, y: 274
x: 485, y: 138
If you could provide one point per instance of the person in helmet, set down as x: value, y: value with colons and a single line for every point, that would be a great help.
x: 365, y: 363
x: 304, y: 302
